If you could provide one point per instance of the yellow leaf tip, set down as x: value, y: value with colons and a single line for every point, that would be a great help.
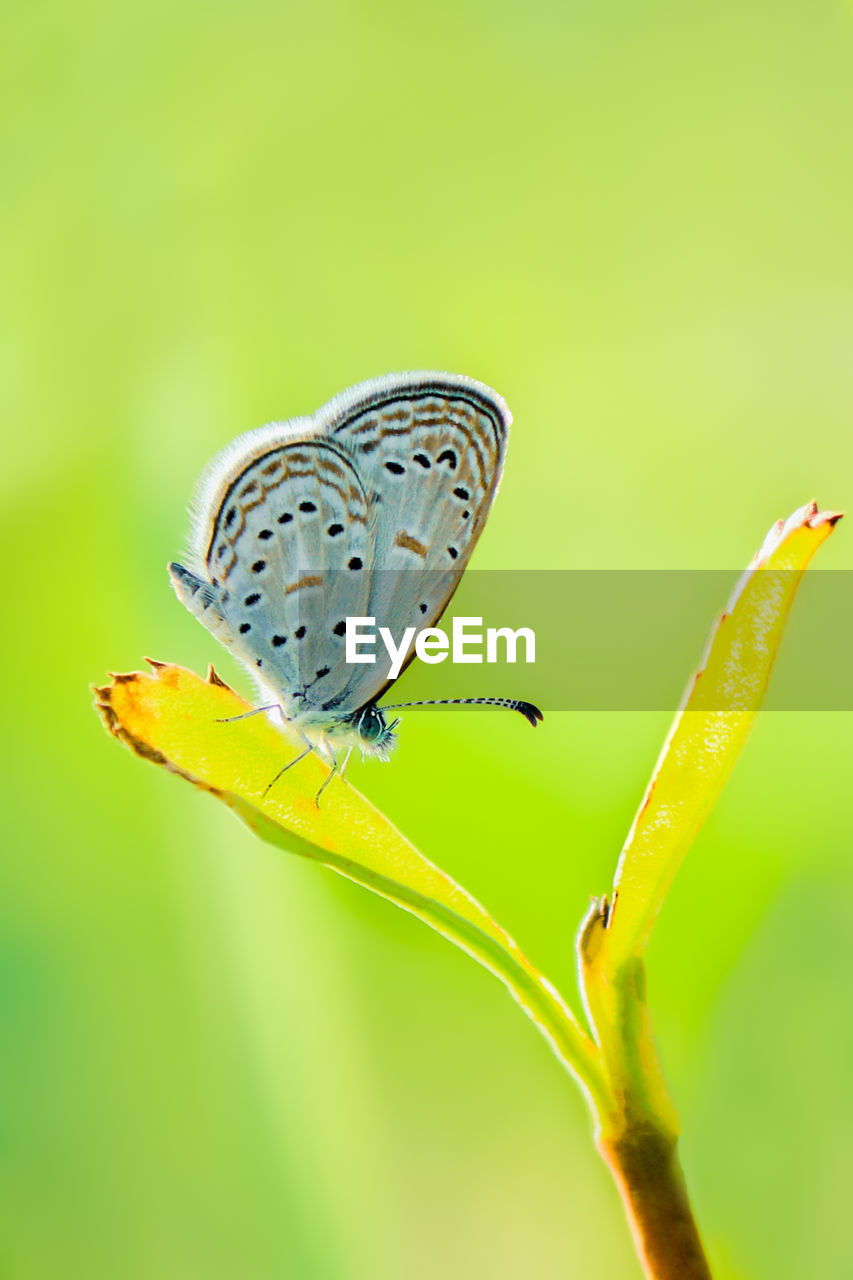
x: 807, y: 517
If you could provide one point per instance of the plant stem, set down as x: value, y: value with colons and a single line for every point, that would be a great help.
x: 645, y: 1165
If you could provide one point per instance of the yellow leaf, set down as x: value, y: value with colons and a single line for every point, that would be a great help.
x: 170, y: 718
x: 710, y: 728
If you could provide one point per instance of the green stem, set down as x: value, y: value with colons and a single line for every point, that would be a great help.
x: 638, y: 1137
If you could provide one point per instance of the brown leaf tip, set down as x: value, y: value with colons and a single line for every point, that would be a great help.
x: 591, y: 935
x: 145, y: 750
x: 103, y: 706
x: 213, y: 677
x: 825, y: 517
x: 808, y: 516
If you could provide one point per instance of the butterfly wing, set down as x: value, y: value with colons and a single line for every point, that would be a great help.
x: 278, y: 514
x: 372, y: 507
x: 429, y: 448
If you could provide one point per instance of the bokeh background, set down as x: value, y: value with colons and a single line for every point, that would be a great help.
x: 634, y: 221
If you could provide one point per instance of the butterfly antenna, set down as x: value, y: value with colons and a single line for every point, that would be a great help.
x: 532, y: 714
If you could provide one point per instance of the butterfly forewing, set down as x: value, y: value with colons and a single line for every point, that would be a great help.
x: 430, y: 454
x: 286, y: 524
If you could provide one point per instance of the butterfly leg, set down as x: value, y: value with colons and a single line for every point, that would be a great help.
x: 290, y: 765
x: 334, y: 769
x: 256, y: 711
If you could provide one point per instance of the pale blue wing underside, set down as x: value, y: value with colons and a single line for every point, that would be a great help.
x: 371, y: 507
x: 430, y: 450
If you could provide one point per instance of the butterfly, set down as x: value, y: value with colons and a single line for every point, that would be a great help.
x: 371, y: 507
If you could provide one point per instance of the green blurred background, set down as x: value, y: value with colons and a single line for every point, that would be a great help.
x: 635, y: 222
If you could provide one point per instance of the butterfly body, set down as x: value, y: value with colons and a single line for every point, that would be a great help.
x: 371, y: 507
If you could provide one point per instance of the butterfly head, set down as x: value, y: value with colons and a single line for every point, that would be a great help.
x: 374, y: 736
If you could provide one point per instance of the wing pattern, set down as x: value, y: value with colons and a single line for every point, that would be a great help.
x: 286, y: 524
x: 430, y: 455
x: 372, y: 507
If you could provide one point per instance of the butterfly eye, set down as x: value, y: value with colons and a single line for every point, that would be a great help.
x: 370, y: 725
